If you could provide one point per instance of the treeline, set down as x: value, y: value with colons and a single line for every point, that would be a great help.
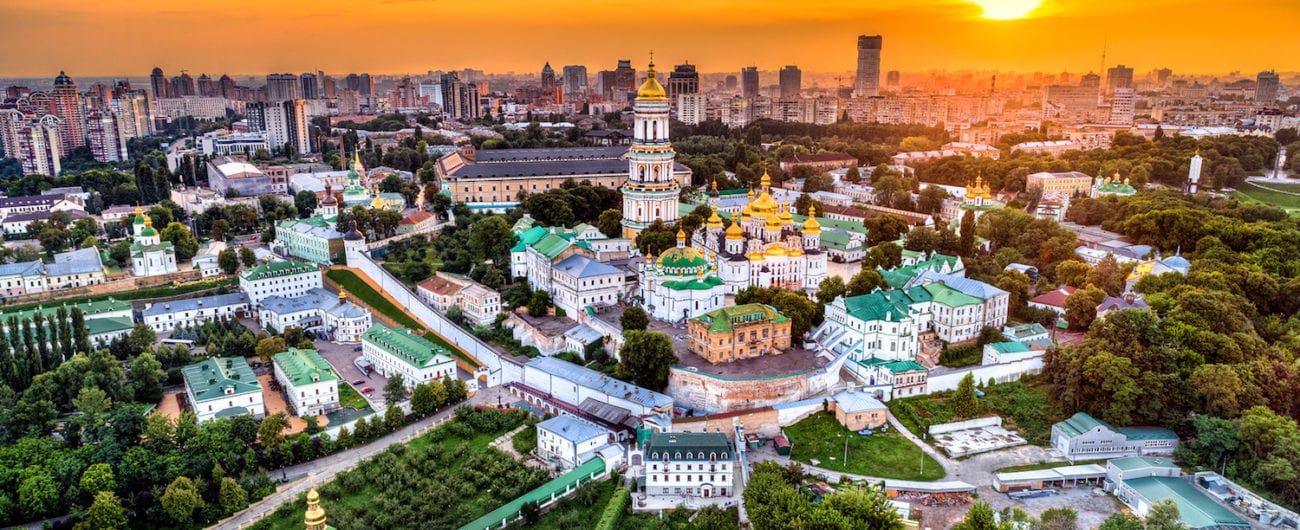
x: 573, y: 202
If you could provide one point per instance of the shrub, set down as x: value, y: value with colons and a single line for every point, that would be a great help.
x: 614, y: 510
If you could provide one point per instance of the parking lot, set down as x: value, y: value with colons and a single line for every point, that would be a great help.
x: 341, y: 357
x: 1092, y: 505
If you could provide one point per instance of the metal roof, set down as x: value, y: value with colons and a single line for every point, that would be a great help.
x: 572, y: 429
x: 218, y: 377
x: 278, y: 269
x: 1139, y: 462
x: 1195, y: 508
x: 851, y: 401
x: 192, y: 304
x: 304, y: 367
x: 592, y: 379
x: 84, y: 261
x: 405, y: 345
x: 498, y: 517
x: 580, y: 266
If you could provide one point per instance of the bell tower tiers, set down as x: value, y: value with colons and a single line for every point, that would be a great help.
x: 651, y: 192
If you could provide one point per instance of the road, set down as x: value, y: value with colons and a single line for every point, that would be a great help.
x: 323, y: 470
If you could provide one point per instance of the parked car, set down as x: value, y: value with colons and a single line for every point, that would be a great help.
x: 357, y: 348
x: 367, y: 390
x: 359, y: 382
x: 865, y: 432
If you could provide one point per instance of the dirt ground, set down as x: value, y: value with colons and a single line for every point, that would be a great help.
x: 171, y: 405
x: 1092, y: 505
x: 275, y: 403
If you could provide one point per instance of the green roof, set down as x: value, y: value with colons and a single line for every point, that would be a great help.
x: 148, y: 232
x: 899, y: 367
x: 530, y: 236
x: 1138, y: 462
x: 551, y: 245
x: 723, y: 320
x: 836, y: 240
x: 1147, y: 433
x: 702, y: 284
x: 1195, y: 508
x: 1116, y: 187
x: 899, y: 276
x: 683, y: 258
x: 560, y: 486
x: 89, y: 309
x: 405, y: 345
x: 211, y: 378
x: 1080, y: 423
x: 277, y: 269
x: 894, y: 304
x: 950, y: 297
x: 98, y: 326
x: 304, y: 367
x: 688, y: 442
x: 1009, y: 347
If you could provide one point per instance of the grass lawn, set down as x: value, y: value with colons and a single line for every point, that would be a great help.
x: 1023, y: 405
x: 1050, y: 465
x: 526, y: 440
x: 886, y: 455
x: 441, y: 480
x: 348, y: 397
x: 363, y: 291
x: 1249, y: 191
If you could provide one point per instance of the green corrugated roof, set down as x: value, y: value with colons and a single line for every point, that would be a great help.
x: 702, y: 284
x: 1147, y: 433
x: 899, y: 367
x: 688, y: 442
x: 89, y: 309
x: 899, y: 276
x: 304, y: 367
x: 551, y: 245
x: 97, y: 326
x: 893, y: 304
x: 211, y: 378
x: 1009, y: 347
x: 1195, y: 508
x: 1080, y: 423
x: 409, y: 347
x: 278, y: 269
x: 836, y: 240
x: 950, y: 297
x: 531, y: 235
x: 1139, y: 462
x: 722, y: 320
x: 496, y: 518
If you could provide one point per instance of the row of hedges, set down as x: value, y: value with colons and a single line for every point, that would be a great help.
x: 614, y: 510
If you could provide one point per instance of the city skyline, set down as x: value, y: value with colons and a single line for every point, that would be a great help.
x: 397, y: 36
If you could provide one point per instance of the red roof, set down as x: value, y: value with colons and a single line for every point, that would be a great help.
x: 781, y: 441
x: 1054, y: 298
x: 441, y: 286
x: 416, y: 218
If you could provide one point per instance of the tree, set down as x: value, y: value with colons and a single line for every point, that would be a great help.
x: 634, y: 319
x: 96, y: 478
x: 866, y: 508
x: 105, y: 513
x: 232, y: 496
x: 92, y: 403
x: 306, y: 202
x: 1164, y: 516
x: 656, y: 238
x: 179, y: 235
x: 394, y: 390
x: 882, y: 228
x: 1218, y: 386
x: 491, y: 239
x: 181, y: 500
x: 147, y: 378
x: 455, y: 315
x: 1016, y: 284
x: 865, y: 281
x: 228, y: 261
x: 38, y: 495
x: 830, y: 288
x: 1121, y: 521
x: 1081, y: 306
x: 422, y: 403
x: 853, y: 176
x: 268, y: 347
x: 271, y: 431
x: 539, y: 303
x: 967, y: 233
x: 81, y: 337
x: 530, y: 512
x: 1058, y: 519
x: 1107, y: 276
x: 1073, y: 273
x: 610, y: 223
x: 980, y: 517
x: 798, y: 308
x: 964, y: 402
x: 646, y: 357
x: 247, y: 257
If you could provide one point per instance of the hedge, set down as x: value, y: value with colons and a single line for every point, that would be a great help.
x: 614, y: 510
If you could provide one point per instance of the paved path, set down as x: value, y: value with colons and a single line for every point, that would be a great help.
x: 323, y: 470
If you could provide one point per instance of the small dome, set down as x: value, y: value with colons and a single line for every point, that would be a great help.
x: 735, y: 233
x: 757, y: 256
x: 776, y: 250
x: 148, y: 232
x: 353, y: 234
x: 714, y: 221
x: 811, y: 226
x: 651, y: 90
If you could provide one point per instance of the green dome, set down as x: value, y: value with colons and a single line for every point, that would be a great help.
x: 683, y: 258
x: 148, y: 232
x: 139, y: 219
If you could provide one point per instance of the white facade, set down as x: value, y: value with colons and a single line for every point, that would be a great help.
x: 282, y: 278
x: 689, y: 464
x: 650, y: 193
x: 691, y: 108
x: 317, y: 311
x: 400, y: 352
x: 165, y: 316
x: 311, y: 386
x: 566, y: 439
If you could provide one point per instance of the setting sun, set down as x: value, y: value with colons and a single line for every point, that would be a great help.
x: 1007, y: 9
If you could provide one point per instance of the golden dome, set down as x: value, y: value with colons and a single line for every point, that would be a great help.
x: 745, y: 212
x: 766, y: 181
x: 735, y: 233
x: 681, y: 234
x: 682, y: 258
x: 786, y: 217
x: 776, y: 250
x: 315, y: 515
x: 651, y: 90
x: 811, y: 226
x: 714, y: 220
x: 773, y: 223
x: 796, y: 252
x: 757, y: 256
x: 764, y: 204
x: 138, y: 210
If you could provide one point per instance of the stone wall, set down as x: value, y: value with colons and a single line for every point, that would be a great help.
x: 1001, y: 373
x: 764, y: 421
x: 717, y: 395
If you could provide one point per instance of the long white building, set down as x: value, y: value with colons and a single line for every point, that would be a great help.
x: 403, y: 352
x: 286, y: 279
x: 317, y: 311
x: 165, y: 316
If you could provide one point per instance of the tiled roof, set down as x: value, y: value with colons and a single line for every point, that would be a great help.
x: 1054, y: 298
x: 304, y: 367
x: 416, y: 218
x: 440, y: 286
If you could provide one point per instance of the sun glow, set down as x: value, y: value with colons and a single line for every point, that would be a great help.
x: 1007, y: 9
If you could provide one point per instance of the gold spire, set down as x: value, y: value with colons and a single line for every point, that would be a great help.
x: 315, y: 516
x: 681, y: 234
x: 148, y: 222
x: 138, y: 210
x: 811, y: 226
x: 651, y: 90
x: 766, y: 181
x: 715, y: 221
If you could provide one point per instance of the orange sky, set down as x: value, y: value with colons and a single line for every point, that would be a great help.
x: 90, y: 38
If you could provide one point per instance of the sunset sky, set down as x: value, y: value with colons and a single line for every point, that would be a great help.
x: 130, y: 37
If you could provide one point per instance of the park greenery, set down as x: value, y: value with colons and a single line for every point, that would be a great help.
x: 822, y: 438
x: 775, y: 500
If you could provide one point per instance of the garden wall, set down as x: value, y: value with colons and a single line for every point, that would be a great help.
x: 1002, y: 373
x: 995, y: 421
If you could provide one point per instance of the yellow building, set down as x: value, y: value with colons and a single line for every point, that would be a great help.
x: 1070, y: 183
x: 739, y: 332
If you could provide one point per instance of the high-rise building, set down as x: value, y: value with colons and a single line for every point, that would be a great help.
x: 867, y: 82
x: 406, y: 95
x: 281, y: 87
x: 1267, y: 87
x: 691, y: 108
x: 749, y: 81
x: 730, y: 83
x: 548, y: 79
x: 226, y: 85
x: 158, y: 82
x: 33, y: 142
x: 103, y: 135
x: 575, y: 82
x: 651, y: 192
x: 65, y: 103
x: 893, y: 78
x: 1122, y: 106
x: 460, y: 99
x: 308, y: 88
x: 328, y: 90
x: 1119, y: 76
x: 207, y: 88
x: 791, y: 81
x: 1162, y: 76
x: 284, y: 122
x: 624, y: 80
x: 352, y: 82
x: 182, y: 85
x: 1089, y: 80
x: 132, y: 108
x: 366, y: 85
x: 683, y: 80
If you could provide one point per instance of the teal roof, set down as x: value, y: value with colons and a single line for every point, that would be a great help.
x: 218, y: 377
x: 551, y: 245
x: 836, y: 240
x: 899, y: 367
x: 723, y: 320
x: 498, y: 517
x: 304, y: 367
x: 99, y: 326
x: 1080, y: 423
x: 894, y: 304
x: 943, y: 294
x: 899, y: 276
x: 1147, y: 433
x: 699, y: 444
x: 1195, y: 508
x: 1138, y: 462
x: 1009, y: 347
x: 278, y: 269
x: 89, y: 309
x: 700, y: 284
x: 405, y: 345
